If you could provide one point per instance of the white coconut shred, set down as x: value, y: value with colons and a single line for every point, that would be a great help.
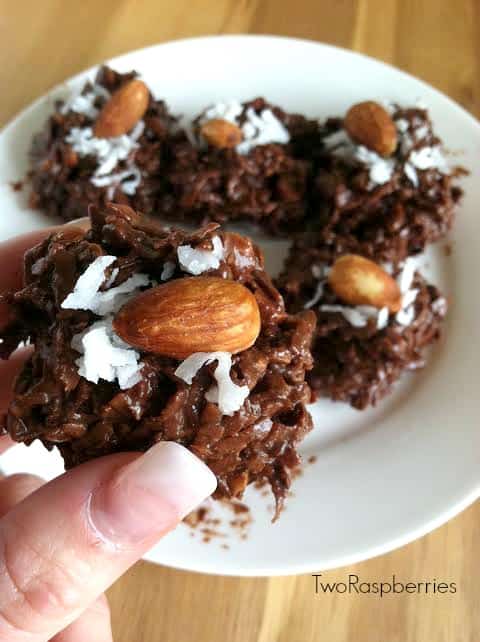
x: 257, y: 129
x: 104, y: 355
x: 194, y: 261
x: 226, y: 394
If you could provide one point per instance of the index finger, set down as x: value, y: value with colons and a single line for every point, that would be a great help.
x: 12, y: 252
x: 5, y: 443
x: 66, y: 543
x: 11, y: 257
x: 11, y: 279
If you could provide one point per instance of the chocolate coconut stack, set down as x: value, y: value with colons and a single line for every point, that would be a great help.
x: 383, y: 191
x: 145, y: 333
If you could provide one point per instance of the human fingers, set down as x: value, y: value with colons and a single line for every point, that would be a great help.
x: 93, y: 625
x: 64, y: 545
x: 11, y: 274
x: 11, y: 259
x: 15, y: 488
x: 5, y: 443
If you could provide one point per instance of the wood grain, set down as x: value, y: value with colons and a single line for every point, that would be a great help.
x: 437, y: 40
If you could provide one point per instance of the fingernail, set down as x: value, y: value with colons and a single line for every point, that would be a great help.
x: 83, y: 222
x: 150, y: 496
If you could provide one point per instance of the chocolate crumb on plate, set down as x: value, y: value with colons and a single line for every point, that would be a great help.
x: 17, y: 186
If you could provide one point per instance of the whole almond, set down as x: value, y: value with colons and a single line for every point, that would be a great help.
x: 221, y: 133
x: 369, y: 124
x: 359, y: 281
x: 123, y: 110
x: 194, y: 314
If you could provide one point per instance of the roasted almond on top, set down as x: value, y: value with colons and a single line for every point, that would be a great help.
x: 359, y: 281
x: 371, y: 125
x: 123, y: 110
x: 221, y: 133
x: 195, y: 314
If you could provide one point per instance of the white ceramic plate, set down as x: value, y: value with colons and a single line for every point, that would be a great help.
x: 382, y: 477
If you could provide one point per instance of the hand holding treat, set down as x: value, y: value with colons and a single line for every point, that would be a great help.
x: 62, y: 544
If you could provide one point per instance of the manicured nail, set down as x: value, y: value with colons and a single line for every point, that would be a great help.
x: 83, y: 222
x: 150, y: 496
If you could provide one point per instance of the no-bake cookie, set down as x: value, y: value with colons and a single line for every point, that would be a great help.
x: 374, y: 321
x: 107, y: 142
x: 243, y: 161
x: 383, y: 186
x: 144, y: 334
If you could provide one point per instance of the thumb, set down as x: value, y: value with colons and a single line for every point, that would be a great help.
x: 66, y: 543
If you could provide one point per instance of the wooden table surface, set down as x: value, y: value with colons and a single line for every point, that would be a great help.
x: 43, y: 43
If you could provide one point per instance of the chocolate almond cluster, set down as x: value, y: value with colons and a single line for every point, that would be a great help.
x: 143, y: 334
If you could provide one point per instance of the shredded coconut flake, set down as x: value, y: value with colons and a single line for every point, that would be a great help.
x: 106, y: 356
x: 409, y: 297
x: 402, y: 125
x: 316, y: 296
x: 196, y: 262
x: 83, y: 103
x: 226, y: 393
x: 380, y: 169
x: 88, y: 284
x: 241, y: 260
x: 258, y: 129
x: 86, y: 294
x: 263, y: 427
x: 388, y: 105
x: 109, y: 152
x: 357, y: 316
x: 167, y: 271
x: 320, y: 272
x: 411, y: 173
x: 112, y: 278
x: 128, y: 180
x: 405, y: 278
x: 439, y: 306
x: 340, y: 142
x: 382, y: 318
x: 229, y: 110
x: 406, y: 315
x: 421, y: 132
x: 429, y: 158
x: 261, y: 130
